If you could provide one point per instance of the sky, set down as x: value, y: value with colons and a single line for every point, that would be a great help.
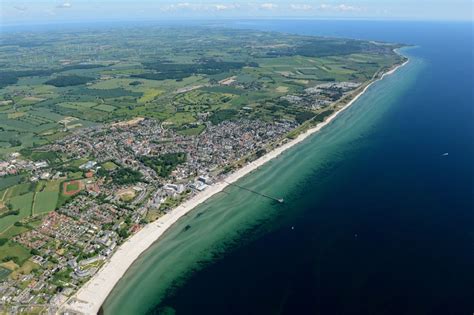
x: 51, y: 11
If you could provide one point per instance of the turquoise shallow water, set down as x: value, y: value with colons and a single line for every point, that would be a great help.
x: 375, y: 220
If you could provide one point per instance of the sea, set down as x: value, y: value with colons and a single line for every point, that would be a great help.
x: 378, y: 215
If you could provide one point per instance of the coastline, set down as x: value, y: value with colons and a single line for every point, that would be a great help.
x: 89, y: 298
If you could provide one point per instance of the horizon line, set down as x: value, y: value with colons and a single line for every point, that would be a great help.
x: 214, y: 19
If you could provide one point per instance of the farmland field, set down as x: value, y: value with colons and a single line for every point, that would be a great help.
x: 149, y: 96
x: 11, y: 249
x: 8, y: 181
x: 78, y: 105
x: 105, y: 108
x: 26, y: 268
x: 192, y: 130
x: 45, y: 201
x: 13, y: 231
x: 17, y: 190
x: 52, y: 185
x: 169, y: 74
x: 4, y: 272
x: 21, y: 203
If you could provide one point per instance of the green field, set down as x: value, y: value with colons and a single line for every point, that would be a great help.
x: 72, y: 186
x: 13, y: 231
x: 105, y: 108
x: 26, y: 268
x: 23, y: 205
x: 78, y: 162
x: 109, y: 166
x: 8, y: 181
x: 11, y: 249
x: 45, y: 201
x: 149, y: 95
x: 191, y: 130
x: 20, y: 197
x: 39, y: 155
x: 78, y: 105
x: 4, y: 272
x: 51, y: 185
x: 180, y: 119
x: 18, y: 190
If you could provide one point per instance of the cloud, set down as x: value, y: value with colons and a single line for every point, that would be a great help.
x: 182, y: 6
x: 223, y: 7
x: 268, y: 6
x: 65, y: 5
x: 339, y: 7
x: 20, y: 8
x: 301, y: 7
x: 49, y: 12
x: 343, y: 7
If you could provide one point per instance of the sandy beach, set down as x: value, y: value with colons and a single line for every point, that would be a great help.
x: 92, y: 295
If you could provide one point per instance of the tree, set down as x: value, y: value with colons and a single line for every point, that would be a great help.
x: 123, y: 232
x: 260, y: 153
x: 68, y: 80
x: 14, y: 142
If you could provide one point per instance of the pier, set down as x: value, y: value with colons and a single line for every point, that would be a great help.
x: 279, y: 200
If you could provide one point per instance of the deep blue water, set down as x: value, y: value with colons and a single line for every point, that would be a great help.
x: 394, y: 230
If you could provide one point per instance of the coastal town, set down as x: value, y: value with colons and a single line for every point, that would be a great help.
x: 118, y: 177
x: 128, y: 174
x: 236, y: 157
x: 133, y: 173
x: 94, y: 160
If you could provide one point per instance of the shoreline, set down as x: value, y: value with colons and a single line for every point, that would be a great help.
x: 91, y: 296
